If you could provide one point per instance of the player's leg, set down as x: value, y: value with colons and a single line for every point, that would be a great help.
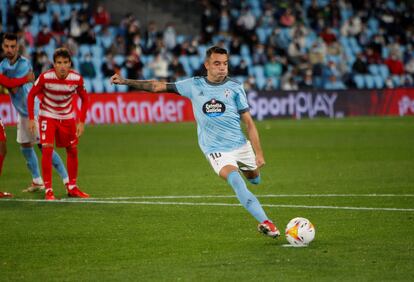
x: 3, y: 151
x: 246, y: 161
x: 3, y: 147
x: 225, y: 165
x: 59, y: 166
x: 66, y: 137
x: 26, y: 140
x: 47, y: 140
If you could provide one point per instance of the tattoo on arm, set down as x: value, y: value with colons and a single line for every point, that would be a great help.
x: 146, y: 85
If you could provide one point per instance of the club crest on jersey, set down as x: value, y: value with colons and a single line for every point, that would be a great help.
x: 214, y: 108
x: 227, y: 93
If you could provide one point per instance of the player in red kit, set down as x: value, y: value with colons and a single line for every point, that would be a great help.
x: 3, y: 151
x: 56, y: 88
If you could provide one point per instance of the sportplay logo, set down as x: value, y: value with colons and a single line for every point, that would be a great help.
x: 214, y: 108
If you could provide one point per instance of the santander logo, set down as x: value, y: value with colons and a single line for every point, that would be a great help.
x: 406, y: 106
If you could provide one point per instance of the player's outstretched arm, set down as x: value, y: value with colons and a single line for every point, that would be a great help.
x: 144, y: 85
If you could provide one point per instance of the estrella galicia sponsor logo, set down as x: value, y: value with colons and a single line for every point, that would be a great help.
x: 214, y: 108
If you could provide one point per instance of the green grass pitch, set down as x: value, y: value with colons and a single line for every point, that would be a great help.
x: 123, y: 236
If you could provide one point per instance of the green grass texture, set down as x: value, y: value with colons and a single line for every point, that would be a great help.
x: 159, y: 213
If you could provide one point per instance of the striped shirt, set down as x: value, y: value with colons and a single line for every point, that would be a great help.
x: 56, y: 95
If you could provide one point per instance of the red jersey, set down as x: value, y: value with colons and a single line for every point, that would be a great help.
x: 56, y: 95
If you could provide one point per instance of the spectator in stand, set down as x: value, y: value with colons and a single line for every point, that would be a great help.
x: 334, y: 84
x: 409, y: 68
x: 372, y: 57
x: 360, y: 65
x: 242, y: 69
x: 328, y: 35
x: 307, y: 82
x: 27, y: 36
x: 58, y: 28
x: 43, y: 37
x: 249, y: 83
x: 259, y: 55
x: 41, y: 62
x: 176, y: 69
x: 86, y: 67
x: 150, y: 38
x: 74, y: 25
x: 295, y: 52
x: 317, y: 52
x: 352, y: 27
x: 278, y: 42
x: 235, y: 45
x: 101, y: 16
x: 246, y: 22
x: 133, y: 66
x: 287, y: 19
x: 273, y: 68
x: 118, y: 47
x: 160, y: 67
x: 395, y: 65
x: 312, y: 13
x: 109, y: 67
x: 269, y: 85
x: 288, y: 81
x: 378, y: 43
x: 88, y: 35
x: 209, y: 22
x: 170, y: 36
x: 224, y: 22
x: 394, y: 47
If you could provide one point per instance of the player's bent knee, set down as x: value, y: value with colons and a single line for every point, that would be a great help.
x: 255, y: 180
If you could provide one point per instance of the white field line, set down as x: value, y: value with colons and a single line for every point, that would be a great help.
x: 209, y: 204
x: 259, y: 196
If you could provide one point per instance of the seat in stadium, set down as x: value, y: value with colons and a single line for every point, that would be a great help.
x: 235, y: 60
x: 379, y: 82
x: 384, y: 71
x: 359, y: 81
x: 369, y: 81
x: 88, y: 84
x: 110, y: 88
x: 195, y: 62
x: 97, y: 85
x: 374, y: 69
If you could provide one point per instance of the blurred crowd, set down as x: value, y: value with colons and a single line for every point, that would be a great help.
x: 288, y: 45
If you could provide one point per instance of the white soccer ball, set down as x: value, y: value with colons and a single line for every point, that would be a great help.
x: 300, y: 232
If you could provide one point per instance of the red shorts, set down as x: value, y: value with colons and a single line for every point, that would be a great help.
x: 2, y: 132
x: 62, y: 131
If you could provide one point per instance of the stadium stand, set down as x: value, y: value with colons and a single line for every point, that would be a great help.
x: 309, y: 37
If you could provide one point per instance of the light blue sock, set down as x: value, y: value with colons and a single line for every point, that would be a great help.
x: 59, y: 166
x: 246, y: 198
x: 255, y: 180
x: 31, y: 161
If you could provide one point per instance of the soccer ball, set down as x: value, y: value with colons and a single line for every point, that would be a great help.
x: 300, y: 232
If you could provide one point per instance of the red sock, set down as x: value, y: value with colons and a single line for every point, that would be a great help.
x: 1, y: 163
x: 47, y: 153
x: 72, y: 164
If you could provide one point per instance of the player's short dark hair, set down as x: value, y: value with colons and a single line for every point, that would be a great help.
x: 215, y: 50
x: 10, y: 36
x: 63, y: 53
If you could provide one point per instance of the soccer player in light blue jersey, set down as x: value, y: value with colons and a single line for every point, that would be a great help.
x: 16, y: 66
x: 219, y: 104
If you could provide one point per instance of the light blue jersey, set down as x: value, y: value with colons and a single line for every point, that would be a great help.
x: 19, y: 69
x: 217, y: 109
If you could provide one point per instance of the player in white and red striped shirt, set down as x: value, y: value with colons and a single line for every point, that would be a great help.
x: 56, y: 88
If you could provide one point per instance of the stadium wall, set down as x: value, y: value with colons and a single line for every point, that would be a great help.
x: 149, y: 108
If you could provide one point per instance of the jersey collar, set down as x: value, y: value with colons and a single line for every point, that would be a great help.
x: 216, y: 84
